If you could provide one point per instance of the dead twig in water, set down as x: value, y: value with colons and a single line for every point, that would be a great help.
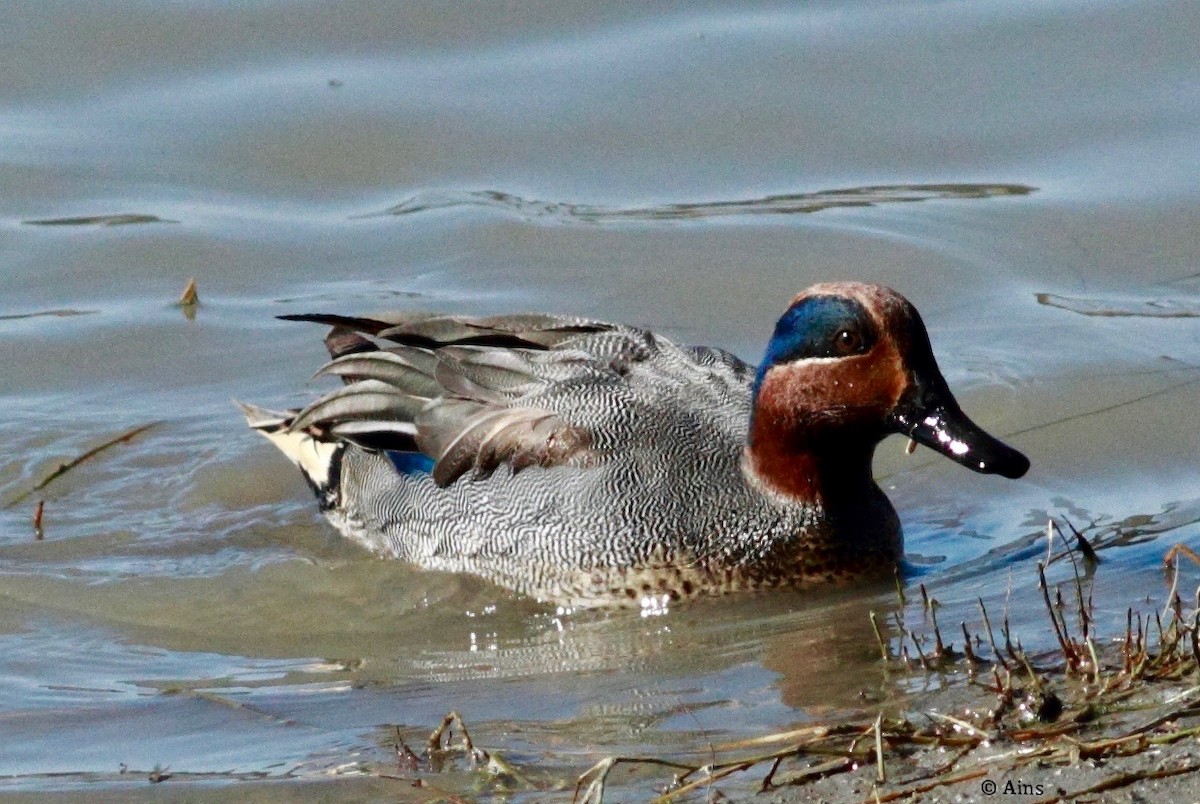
x: 406, y: 758
x: 189, y: 297
x: 987, y: 627
x: 435, y: 739
x: 189, y: 301
x: 883, y: 649
x: 63, y: 468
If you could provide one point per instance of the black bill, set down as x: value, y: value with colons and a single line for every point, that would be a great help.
x: 929, y: 415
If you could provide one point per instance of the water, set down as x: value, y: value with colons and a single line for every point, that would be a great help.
x: 1025, y: 173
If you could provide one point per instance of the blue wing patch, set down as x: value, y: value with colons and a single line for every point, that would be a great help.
x: 410, y: 463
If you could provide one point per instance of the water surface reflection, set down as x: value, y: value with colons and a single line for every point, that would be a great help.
x: 188, y: 607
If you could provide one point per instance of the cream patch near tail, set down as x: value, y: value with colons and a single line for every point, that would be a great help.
x: 315, y: 458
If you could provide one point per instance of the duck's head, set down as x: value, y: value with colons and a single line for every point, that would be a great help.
x: 850, y: 363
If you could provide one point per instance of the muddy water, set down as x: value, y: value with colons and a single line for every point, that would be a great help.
x: 1026, y: 173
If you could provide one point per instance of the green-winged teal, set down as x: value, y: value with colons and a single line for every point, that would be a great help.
x: 588, y: 463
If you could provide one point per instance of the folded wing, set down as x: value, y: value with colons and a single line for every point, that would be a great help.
x: 465, y: 391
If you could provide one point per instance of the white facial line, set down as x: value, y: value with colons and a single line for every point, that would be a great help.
x: 803, y: 361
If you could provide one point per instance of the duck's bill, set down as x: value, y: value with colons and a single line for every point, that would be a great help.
x: 933, y: 418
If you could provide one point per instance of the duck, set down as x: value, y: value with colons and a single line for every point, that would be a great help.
x: 590, y: 464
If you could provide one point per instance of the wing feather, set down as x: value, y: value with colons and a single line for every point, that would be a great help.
x: 478, y: 393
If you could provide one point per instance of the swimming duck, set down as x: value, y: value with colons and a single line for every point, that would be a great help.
x: 588, y: 463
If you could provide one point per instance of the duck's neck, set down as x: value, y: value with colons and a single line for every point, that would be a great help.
x: 832, y: 478
x: 822, y: 472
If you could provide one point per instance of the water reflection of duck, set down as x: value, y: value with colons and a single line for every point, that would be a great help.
x: 590, y: 463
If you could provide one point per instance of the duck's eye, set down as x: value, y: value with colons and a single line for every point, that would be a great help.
x: 847, y: 342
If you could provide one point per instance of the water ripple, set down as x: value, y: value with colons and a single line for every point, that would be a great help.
x: 1124, y: 307
x: 118, y: 219
x: 782, y: 204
